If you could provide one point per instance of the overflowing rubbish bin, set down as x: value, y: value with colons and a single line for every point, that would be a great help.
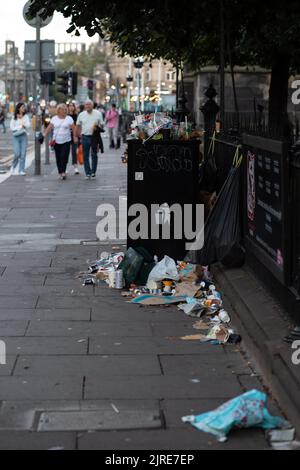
x: 162, y: 195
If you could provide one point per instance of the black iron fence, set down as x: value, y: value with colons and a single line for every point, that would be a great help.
x: 276, y: 172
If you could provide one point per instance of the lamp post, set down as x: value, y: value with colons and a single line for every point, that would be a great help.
x: 139, y: 64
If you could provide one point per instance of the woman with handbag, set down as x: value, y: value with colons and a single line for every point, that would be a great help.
x: 72, y: 112
x: 19, y: 126
x: 62, y: 125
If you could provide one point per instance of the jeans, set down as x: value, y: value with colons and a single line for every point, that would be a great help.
x: 20, y: 148
x: 62, y: 152
x: 87, y: 147
x: 113, y: 136
x: 3, y: 125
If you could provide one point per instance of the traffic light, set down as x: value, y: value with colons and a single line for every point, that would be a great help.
x: 63, y: 83
x: 74, y: 83
x: 48, y: 78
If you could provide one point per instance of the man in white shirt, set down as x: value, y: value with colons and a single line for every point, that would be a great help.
x: 87, y: 122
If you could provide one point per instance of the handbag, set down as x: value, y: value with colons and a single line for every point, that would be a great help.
x: 18, y: 133
x: 80, y: 155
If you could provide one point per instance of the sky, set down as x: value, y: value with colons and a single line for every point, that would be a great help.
x: 14, y: 27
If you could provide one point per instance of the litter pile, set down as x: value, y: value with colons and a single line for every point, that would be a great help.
x: 152, y: 282
x: 160, y: 126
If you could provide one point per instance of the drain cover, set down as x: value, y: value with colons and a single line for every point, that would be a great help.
x: 104, y: 420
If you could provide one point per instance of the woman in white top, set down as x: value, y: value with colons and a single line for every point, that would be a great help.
x: 19, y: 125
x: 62, y: 124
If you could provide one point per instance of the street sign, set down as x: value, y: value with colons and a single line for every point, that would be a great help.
x: 47, y: 55
x: 33, y: 21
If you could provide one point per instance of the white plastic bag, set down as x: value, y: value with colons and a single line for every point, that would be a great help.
x: 165, y: 269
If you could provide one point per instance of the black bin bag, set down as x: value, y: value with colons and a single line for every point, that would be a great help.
x: 222, y: 230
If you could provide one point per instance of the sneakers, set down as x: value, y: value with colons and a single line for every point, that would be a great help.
x: 13, y: 171
x: 76, y: 171
x: 94, y: 175
x: 22, y: 173
x: 88, y: 177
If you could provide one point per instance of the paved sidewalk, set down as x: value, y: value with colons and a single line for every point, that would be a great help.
x: 79, y: 356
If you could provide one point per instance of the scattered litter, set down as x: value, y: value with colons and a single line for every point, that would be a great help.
x: 245, y: 411
x: 149, y: 282
x: 193, y: 337
x: 148, y: 299
x: 81, y: 341
x: 218, y: 332
x: 281, y: 435
x: 201, y: 325
x: 57, y: 448
x: 115, y: 408
x: 165, y: 269
x: 195, y: 381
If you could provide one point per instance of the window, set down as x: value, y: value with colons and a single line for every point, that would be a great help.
x: 148, y: 75
x: 170, y: 75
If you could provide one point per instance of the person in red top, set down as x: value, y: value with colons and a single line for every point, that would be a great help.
x: 112, y: 122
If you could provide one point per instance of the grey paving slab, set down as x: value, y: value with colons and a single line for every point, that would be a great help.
x: 57, y: 290
x: 98, y: 366
x: 13, y: 328
x: 21, y: 280
x: 152, y: 345
x: 15, y: 314
x: 23, y: 440
x: 173, y: 329
x: 92, y: 329
x: 171, y: 439
x: 46, y: 301
x: 15, y: 301
x: 82, y: 314
x: 24, y: 346
x: 114, y: 310
x: 203, y: 364
x: 162, y: 387
x: 7, y: 369
x: 41, y: 388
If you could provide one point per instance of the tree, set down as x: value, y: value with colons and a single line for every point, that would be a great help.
x: 261, y: 33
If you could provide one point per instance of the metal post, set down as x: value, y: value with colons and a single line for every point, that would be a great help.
x: 14, y: 75
x: 222, y: 62
x: 47, y: 138
x: 37, y: 96
x: 139, y: 92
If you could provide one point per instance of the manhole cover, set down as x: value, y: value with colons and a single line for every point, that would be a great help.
x: 104, y: 420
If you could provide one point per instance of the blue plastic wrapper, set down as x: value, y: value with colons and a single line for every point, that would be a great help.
x: 245, y: 411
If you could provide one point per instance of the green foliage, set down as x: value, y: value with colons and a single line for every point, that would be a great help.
x: 188, y: 32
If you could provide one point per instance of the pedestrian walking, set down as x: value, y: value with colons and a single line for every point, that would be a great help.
x: 2, y: 119
x: 112, y: 122
x: 62, y: 125
x: 19, y: 125
x: 88, y: 123
x: 72, y: 112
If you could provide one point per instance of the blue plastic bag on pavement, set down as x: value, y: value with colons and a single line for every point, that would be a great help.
x: 245, y: 411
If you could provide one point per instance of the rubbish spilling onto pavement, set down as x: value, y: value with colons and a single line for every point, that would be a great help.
x: 147, y: 281
x: 245, y: 411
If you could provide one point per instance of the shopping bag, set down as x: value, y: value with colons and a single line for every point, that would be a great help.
x: 80, y: 155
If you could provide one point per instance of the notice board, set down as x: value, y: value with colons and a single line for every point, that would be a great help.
x: 266, y: 196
